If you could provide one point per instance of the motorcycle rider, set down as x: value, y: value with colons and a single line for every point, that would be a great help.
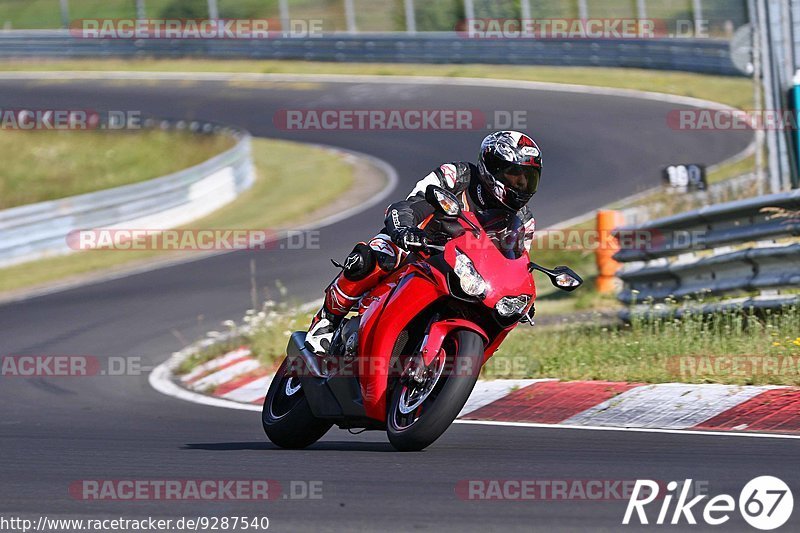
x: 506, y: 177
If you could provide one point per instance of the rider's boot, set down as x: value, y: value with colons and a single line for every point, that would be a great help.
x: 361, y: 273
x: 336, y: 305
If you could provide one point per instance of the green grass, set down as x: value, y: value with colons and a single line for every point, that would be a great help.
x: 732, y: 170
x: 277, y: 198
x: 688, y: 350
x: 269, y: 329
x: 655, y: 351
x: 733, y: 91
x: 45, y: 165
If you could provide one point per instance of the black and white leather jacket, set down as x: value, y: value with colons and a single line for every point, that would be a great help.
x: 462, y: 179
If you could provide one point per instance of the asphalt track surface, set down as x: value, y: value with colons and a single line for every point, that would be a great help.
x: 55, y: 431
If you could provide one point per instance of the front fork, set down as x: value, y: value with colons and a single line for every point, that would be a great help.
x: 420, y: 366
x: 417, y: 369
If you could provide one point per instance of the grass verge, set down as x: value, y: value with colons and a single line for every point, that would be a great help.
x: 736, y: 92
x: 275, y: 199
x: 266, y: 332
x: 45, y: 165
x: 730, y: 348
x: 733, y: 347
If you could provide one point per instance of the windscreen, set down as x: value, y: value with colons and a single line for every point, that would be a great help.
x: 505, y: 230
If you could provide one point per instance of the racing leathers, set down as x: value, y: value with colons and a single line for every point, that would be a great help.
x: 404, y: 225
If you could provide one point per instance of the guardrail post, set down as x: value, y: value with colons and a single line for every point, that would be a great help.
x: 283, y: 7
x: 469, y: 10
x: 350, y: 16
x: 697, y: 15
x: 607, y: 221
x: 411, y: 19
x: 770, y: 90
x: 641, y: 9
x: 583, y: 10
x: 213, y: 10
x: 65, y: 13
x: 525, y: 9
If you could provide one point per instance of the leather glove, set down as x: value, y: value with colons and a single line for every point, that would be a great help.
x: 410, y: 238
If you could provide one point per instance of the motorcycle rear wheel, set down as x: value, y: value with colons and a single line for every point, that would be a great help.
x: 419, y: 428
x: 286, y: 417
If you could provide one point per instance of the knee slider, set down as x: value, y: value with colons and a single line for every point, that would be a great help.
x: 385, y: 261
x: 385, y: 253
x: 360, y: 263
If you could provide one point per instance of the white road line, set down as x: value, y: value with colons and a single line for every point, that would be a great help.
x: 635, y: 430
x: 161, y: 380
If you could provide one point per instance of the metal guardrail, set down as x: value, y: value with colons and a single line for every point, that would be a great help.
x: 664, y: 259
x: 40, y: 230
x: 693, y: 55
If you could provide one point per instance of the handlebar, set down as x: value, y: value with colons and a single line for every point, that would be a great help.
x: 427, y: 246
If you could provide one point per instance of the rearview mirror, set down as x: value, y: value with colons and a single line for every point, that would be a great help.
x: 562, y: 277
x: 443, y: 201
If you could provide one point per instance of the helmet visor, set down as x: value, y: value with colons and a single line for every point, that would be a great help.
x: 523, y: 179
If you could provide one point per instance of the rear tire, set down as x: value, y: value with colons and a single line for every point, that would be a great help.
x: 287, y: 417
x: 440, y: 408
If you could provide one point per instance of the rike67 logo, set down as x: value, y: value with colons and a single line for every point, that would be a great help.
x: 765, y: 503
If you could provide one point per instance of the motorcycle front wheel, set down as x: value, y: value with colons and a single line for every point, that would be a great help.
x: 287, y: 417
x: 419, y: 413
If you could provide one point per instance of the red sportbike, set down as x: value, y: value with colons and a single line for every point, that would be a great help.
x: 410, y: 359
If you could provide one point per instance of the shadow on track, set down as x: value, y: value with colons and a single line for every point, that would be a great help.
x: 339, y: 446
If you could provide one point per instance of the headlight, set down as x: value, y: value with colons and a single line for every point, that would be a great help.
x: 512, y: 305
x: 471, y: 282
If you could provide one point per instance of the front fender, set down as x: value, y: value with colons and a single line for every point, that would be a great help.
x: 439, y: 332
x: 380, y: 328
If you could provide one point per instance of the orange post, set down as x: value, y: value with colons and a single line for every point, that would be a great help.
x: 607, y: 247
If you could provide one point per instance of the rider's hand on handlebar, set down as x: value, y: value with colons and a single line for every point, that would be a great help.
x: 410, y: 238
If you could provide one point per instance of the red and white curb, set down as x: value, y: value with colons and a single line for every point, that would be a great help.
x: 668, y: 406
x: 236, y: 379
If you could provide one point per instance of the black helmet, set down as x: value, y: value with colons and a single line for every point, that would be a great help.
x: 510, y: 165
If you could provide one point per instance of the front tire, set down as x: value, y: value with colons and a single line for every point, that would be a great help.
x: 414, y: 430
x: 287, y: 417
